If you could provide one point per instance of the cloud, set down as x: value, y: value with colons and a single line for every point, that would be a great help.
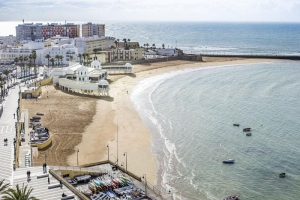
x: 154, y: 10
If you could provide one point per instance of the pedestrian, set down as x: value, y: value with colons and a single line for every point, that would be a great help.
x: 48, y: 180
x: 60, y: 184
x: 14, y: 115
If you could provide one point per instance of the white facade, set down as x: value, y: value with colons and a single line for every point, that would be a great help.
x: 82, y: 79
x: 8, y: 40
x: 167, y: 52
x: 65, y: 50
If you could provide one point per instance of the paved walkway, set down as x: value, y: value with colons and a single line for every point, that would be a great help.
x: 7, y: 130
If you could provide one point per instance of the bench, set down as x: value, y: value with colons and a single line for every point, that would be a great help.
x: 54, y: 186
x: 68, y: 197
x: 42, y: 175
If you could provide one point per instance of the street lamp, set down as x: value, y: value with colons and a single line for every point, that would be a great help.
x: 45, y: 158
x: 125, y: 154
x: 145, y: 179
x: 108, y: 151
x: 77, y: 155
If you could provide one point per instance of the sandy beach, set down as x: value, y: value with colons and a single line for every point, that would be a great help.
x: 95, y: 122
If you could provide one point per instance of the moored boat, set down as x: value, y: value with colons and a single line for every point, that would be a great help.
x: 246, y: 129
x: 229, y: 161
x: 248, y: 134
x: 232, y: 197
x: 236, y: 124
x: 282, y: 175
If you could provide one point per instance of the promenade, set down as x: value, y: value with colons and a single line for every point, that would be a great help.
x: 7, y: 130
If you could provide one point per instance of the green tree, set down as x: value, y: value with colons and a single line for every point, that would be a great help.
x: 16, y: 60
x: 57, y: 57
x: 79, y: 55
x: 163, y: 46
x: 61, y: 59
x: 52, y: 61
x: 25, y: 60
x: 21, y: 63
x: 1, y: 84
x: 19, y: 193
x: 33, y: 53
x: 48, y: 58
x: 6, y: 73
x: 3, y: 187
x: 71, y: 58
x: 30, y: 63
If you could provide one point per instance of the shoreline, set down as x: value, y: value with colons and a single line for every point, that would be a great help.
x: 134, y: 137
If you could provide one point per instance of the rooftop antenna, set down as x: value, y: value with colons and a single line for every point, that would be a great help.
x: 23, y: 21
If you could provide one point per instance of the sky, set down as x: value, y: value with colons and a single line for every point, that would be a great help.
x: 151, y: 10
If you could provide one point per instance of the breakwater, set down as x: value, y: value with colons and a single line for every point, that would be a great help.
x: 286, y: 57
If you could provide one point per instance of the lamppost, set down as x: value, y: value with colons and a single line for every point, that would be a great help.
x: 77, y: 155
x: 125, y: 154
x: 108, y: 151
x: 45, y: 158
x: 145, y: 179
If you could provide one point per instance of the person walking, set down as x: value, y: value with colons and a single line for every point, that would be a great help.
x: 48, y: 180
x: 14, y: 115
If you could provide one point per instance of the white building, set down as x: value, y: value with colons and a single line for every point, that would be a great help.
x: 8, y: 40
x: 9, y: 54
x: 82, y: 79
x: 167, y: 52
x: 67, y: 51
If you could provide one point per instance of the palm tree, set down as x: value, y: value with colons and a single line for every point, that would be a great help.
x: 3, y: 187
x: 116, y: 43
x: 128, y: 42
x: 19, y: 193
x: 1, y: 85
x: 16, y: 60
x: 52, y: 61
x: 34, y: 58
x: 30, y: 63
x: 83, y: 55
x: 71, y: 58
x: 163, y: 46
x: 57, y: 57
x: 21, y: 63
x: 147, y: 45
x: 95, y: 51
x: 153, y: 46
x: 6, y: 72
x: 25, y: 59
x: 79, y: 55
x: 61, y: 59
x: 48, y: 58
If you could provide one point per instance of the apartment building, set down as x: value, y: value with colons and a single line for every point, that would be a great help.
x: 9, y: 54
x: 131, y: 54
x: 66, y: 30
x: 90, y: 29
x: 30, y: 31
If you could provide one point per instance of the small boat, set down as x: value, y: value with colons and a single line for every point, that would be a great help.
x: 246, y: 129
x: 39, y: 113
x: 233, y: 197
x: 248, y: 134
x: 229, y: 161
x: 282, y: 175
x: 236, y: 124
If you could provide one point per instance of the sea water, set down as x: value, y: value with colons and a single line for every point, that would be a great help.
x: 191, y: 115
x: 199, y: 37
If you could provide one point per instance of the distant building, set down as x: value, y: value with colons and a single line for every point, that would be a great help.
x: 98, y: 43
x: 31, y: 31
x: 66, y: 30
x: 9, y: 54
x: 90, y: 29
x: 8, y: 40
x: 131, y: 54
x: 131, y: 45
x: 167, y: 52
